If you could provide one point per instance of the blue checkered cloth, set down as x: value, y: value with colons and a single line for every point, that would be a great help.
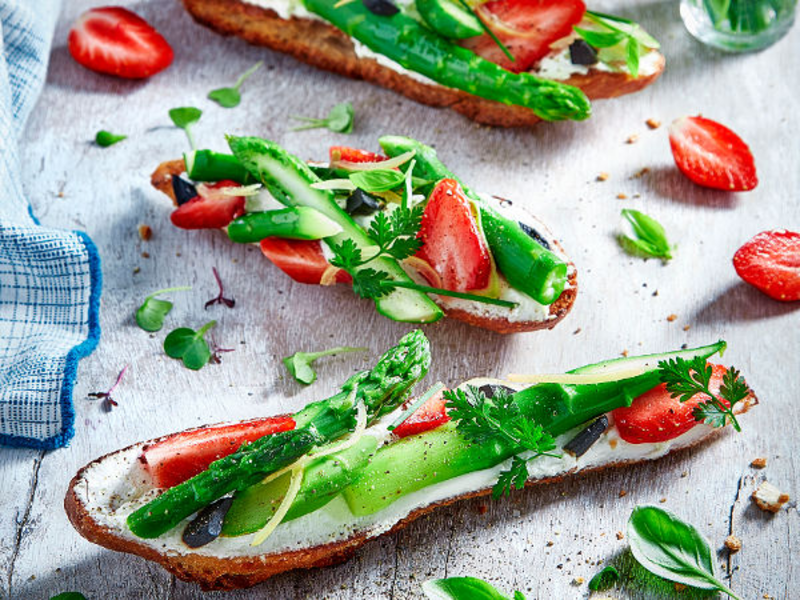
x: 49, y: 278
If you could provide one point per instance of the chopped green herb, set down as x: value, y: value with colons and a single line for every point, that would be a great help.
x: 617, y: 39
x: 189, y: 345
x: 685, y: 378
x: 673, y: 549
x: 604, y: 579
x: 649, y: 238
x: 339, y: 120
x: 105, y: 138
x: 185, y: 117
x: 299, y: 363
x: 150, y: 315
x: 230, y: 97
x: 484, y: 420
x: 464, y: 588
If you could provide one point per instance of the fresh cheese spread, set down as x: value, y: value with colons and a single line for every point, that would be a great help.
x: 117, y: 485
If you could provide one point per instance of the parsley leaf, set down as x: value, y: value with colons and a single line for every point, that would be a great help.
x: 150, y: 315
x: 104, y: 138
x: 686, y: 378
x: 230, y: 97
x: 649, y: 238
x: 185, y: 117
x: 339, y: 120
x: 299, y: 364
x: 189, y: 346
x: 482, y: 420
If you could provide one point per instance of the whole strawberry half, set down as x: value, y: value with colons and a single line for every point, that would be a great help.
x: 712, y: 155
x: 115, y: 41
x: 771, y: 262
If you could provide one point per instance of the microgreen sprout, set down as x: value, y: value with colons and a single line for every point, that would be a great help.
x: 230, y: 97
x: 150, y: 315
x: 220, y: 299
x: 185, y: 117
x: 104, y: 139
x: 108, y: 400
x: 300, y: 367
x: 189, y: 346
x: 338, y: 120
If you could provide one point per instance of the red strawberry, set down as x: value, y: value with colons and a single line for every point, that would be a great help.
x: 771, y: 262
x: 712, y: 155
x: 209, y: 209
x: 429, y: 416
x: 183, y: 455
x: 302, y: 260
x: 656, y: 417
x: 353, y: 155
x: 452, y: 243
x: 526, y: 28
x: 115, y: 41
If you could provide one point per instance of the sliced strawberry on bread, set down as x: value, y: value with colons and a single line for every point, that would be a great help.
x: 429, y: 416
x: 302, y: 260
x: 212, y: 208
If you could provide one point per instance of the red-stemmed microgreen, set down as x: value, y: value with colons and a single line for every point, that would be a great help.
x: 220, y: 298
x: 216, y: 351
x: 150, y: 315
x: 189, y: 346
x: 108, y: 400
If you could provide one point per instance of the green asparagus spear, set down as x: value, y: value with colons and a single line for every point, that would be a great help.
x: 527, y: 265
x: 207, y: 165
x: 380, y: 390
x: 412, y: 46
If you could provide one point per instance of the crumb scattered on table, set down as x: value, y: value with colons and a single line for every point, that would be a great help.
x: 622, y: 196
x: 653, y: 123
x: 733, y: 544
x: 759, y: 463
x: 768, y: 497
x: 603, y: 176
x: 672, y: 317
x: 632, y: 139
x: 145, y: 232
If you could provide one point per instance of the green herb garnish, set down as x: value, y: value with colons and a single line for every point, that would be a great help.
x: 185, y: 117
x: 338, y: 120
x: 464, y: 588
x: 105, y: 139
x: 150, y: 315
x: 377, y: 180
x: 673, y: 549
x: 649, y: 238
x: 299, y: 364
x: 230, y: 97
x: 189, y: 345
x: 604, y: 579
x: 488, y: 31
x: 685, y: 378
x: 485, y: 420
x: 618, y: 39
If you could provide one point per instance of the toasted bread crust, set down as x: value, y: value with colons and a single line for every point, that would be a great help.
x: 161, y: 179
x: 324, y: 46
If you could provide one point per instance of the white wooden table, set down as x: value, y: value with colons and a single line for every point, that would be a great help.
x: 538, y: 541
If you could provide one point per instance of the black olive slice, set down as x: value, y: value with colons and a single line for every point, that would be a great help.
x: 581, y: 53
x: 383, y: 8
x: 578, y: 445
x: 535, y: 235
x: 361, y: 203
x: 184, y: 191
x: 207, y: 525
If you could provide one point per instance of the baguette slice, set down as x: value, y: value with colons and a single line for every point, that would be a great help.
x: 468, y: 312
x: 322, y: 45
x: 96, y: 505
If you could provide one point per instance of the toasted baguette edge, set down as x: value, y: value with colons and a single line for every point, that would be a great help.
x: 214, y: 573
x: 161, y: 179
x: 324, y: 46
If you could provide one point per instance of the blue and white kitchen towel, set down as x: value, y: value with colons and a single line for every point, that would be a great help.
x: 49, y: 278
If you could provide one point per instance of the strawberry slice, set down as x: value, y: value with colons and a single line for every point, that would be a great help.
x: 115, y: 41
x: 210, y: 209
x: 452, y: 243
x: 429, y: 416
x: 302, y: 260
x: 526, y: 28
x: 183, y: 455
x: 353, y: 155
x: 712, y: 155
x: 771, y: 262
x: 656, y: 417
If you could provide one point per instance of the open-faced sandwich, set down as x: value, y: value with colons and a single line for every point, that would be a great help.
x: 399, y: 227
x: 499, y: 62
x: 228, y: 506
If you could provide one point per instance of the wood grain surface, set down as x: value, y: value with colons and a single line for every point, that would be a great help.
x: 541, y: 542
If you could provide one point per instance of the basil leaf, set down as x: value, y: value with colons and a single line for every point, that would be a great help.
x: 604, y: 579
x: 599, y: 39
x: 673, y: 549
x: 189, y: 345
x: 462, y: 588
x: 649, y: 239
x: 104, y: 139
x: 377, y: 180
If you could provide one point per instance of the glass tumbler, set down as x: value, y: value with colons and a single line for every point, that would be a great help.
x: 738, y: 25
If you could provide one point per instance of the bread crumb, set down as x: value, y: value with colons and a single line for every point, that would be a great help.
x: 759, y: 463
x: 663, y: 500
x: 145, y: 232
x: 621, y: 196
x: 685, y: 474
x: 620, y: 535
x: 624, y: 353
x: 145, y: 255
x: 577, y: 331
x: 549, y: 543
x: 768, y: 497
x: 687, y: 327
x: 733, y: 544
x: 623, y: 493
x: 603, y: 176
x: 672, y: 317
x: 641, y: 173
x: 578, y: 581
x: 653, y: 123
x: 632, y: 139
x: 679, y: 587
x: 136, y: 270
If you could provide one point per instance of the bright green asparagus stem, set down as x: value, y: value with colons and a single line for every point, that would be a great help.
x: 381, y: 390
x: 412, y: 46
